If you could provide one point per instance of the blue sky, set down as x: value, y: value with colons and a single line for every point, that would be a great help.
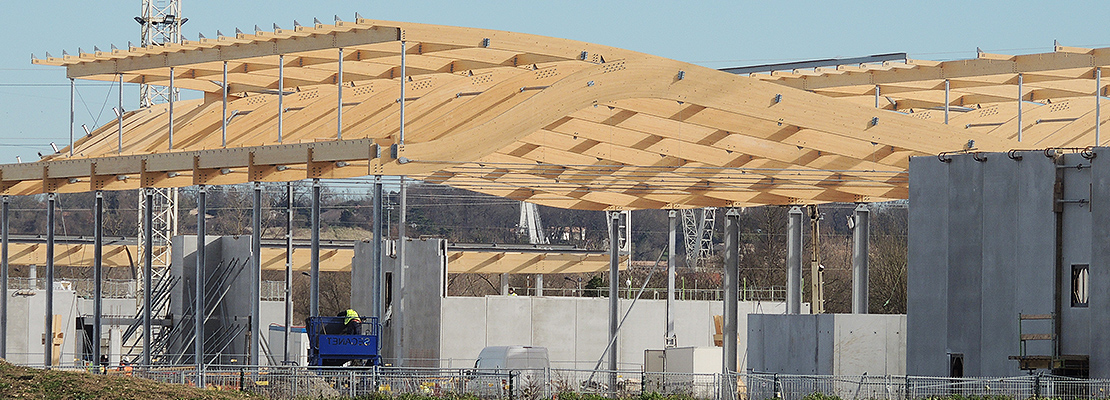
x: 34, y: 100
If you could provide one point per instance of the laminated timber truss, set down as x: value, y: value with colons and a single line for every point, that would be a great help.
x: 557, y: 122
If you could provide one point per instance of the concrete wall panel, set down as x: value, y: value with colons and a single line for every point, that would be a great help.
x: 927, y: 274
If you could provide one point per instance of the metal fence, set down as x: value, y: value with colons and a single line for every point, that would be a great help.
x: 292, y: 382
x: 770, y: 293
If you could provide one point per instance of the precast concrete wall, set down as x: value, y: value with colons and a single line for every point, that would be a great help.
x: 827, y: 344
x: 26, y: 328
x: 983, y: 249
x: 575, y: 329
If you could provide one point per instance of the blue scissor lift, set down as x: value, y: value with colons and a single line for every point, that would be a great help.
x: 333, y: 343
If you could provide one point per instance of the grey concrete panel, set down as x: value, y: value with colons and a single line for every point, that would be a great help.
x: 1034, y: 247
x: 965, y: 260
x: 1100, y: 265
x: 999, y: 316
x: 554, y: 324
x: 593, y: 331
x: 927, y: 274
x: 1075, y: 321
x: 362, y: 277
x: 643, y: 329
x: 509, y: 320
x: 463, y: 328
x: 873, y: 344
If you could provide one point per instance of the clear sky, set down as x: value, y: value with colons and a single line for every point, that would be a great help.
x: 34, y: 100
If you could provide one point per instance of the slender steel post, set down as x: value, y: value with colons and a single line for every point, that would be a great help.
x: 401, y: 135
x: 98, y: 273
x: 1021, y: 97
x: 539, y: 284
x: 672, y: 260
x: 281, y: 96
x: 399, y: 315
x: 256, y: 274
x: 72, y: 103
x: 614, y: 291
x: 731, y: 294
x: 339, y: 106
x: 198, y: 307
x: 947, y: 102
x: 877, y: 94
x: 860, y: 234
x: 288, y: 268
x: 49, y: 347
x: 171, y: 108
x: 148, y: 268
x: 794, y: 262
x: 4, y: 278
x: 314, y: 285
x: 119, y: 119
x: 376, y: 250
x: 1098, y: 106
x: 223, y: 124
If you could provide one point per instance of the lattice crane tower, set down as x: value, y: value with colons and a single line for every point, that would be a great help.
x: 697, y: 224
x: 160, y: 23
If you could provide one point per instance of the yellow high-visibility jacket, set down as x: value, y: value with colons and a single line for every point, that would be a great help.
x: 352, y: 315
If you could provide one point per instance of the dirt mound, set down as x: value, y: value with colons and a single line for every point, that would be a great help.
x: 29, y: 383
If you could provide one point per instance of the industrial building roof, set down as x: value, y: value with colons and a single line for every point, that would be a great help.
x: 554, y: 121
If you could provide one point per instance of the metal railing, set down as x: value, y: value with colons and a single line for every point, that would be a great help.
x: 112, y: 288
x: 290, y: 382
x: 272, y: 290
x: 772, y: 293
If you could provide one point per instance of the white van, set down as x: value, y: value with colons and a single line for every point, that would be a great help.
x: 507, y: 358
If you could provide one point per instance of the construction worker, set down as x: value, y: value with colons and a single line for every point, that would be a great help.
x: 352, y: 322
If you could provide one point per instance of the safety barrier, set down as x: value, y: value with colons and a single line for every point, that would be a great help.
x: 291, y: 382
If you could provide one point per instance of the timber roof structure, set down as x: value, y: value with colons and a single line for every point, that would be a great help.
x: 557, y: 122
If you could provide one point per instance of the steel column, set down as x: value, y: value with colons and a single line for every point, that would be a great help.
x: 672, y: 259
x: 504, y: 280
x: 172, y: 98
x: 339, y: 93
x: 281, y: 97
x: 860, y: 234
x: 1021, y: 96
x: 614, y: 284
x: 148, y: 268
x: 399, y: 297
x: 72, y: 103
x: 98, y: 272
x: 314, y: 257
x: 731, y: 289
x: 877, y: 94
x: 539, y: 284
x: 794, y: 262
x: 223, y: 124
x: 49, y: 345
x: 119, y: 119
x: 376, y: 248
x: 256, y: 274
x: 401, y: 134
x: 198, y: 305
x: 1098, y: 106
x: 4, y: 278
x: 288, y: 269
x: 947, y: 92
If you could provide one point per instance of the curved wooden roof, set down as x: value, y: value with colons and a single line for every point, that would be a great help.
x: 554, y: 121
